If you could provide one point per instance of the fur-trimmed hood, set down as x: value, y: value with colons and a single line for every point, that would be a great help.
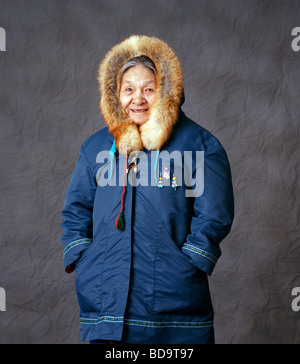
x: 163, y: 114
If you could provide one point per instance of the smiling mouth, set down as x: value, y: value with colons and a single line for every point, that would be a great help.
x: 139, y: 111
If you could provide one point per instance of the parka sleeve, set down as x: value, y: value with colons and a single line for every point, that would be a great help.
x: 213, y: 212
x: 77, y: 213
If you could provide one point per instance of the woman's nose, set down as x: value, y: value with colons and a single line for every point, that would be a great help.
x: 138, y: 98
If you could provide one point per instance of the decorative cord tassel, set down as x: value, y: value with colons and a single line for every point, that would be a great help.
x: 120, y: 221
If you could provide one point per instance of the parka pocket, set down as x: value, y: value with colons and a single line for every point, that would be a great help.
x: 179, y: 287
x: 88, y: 274
x: 172, y: 246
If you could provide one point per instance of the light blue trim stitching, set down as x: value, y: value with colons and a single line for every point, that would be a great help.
x: 76, y: 243
x: 157, y: 324
x: 201, y: 252
x: 142, y: 323
x: 101, y: 319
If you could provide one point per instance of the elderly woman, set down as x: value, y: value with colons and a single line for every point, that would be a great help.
x: 142, y: 252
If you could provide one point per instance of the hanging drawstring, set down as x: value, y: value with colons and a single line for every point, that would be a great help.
x: 111, y: 157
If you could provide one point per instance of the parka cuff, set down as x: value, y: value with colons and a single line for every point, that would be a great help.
x: 201, y: 259
x: 73, y: 252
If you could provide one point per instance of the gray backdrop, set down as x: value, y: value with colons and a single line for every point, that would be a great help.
x: 242, y: 83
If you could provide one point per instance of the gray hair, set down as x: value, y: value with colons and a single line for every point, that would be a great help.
x: 143, y: 60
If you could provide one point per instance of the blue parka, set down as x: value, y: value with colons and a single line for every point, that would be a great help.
x: 147, y: 283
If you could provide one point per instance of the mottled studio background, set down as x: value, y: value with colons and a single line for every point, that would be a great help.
x: 242, y: 83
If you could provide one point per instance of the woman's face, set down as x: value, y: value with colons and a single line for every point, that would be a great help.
x: 138, y: 92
